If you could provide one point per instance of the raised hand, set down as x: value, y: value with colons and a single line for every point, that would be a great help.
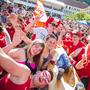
x: 17, y: 36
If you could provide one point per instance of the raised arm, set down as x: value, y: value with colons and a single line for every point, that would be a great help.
x: 12, y: 67
x: 15, y: 42
x: 32, y: 23
x: 60, y: 42
x: 81, y: 63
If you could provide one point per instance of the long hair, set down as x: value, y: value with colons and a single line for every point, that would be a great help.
x: 1, y: 27
x: 36, y: 58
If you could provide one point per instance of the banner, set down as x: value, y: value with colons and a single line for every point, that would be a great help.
x: 40, y: 12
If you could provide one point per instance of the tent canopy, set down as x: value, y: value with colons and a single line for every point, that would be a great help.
x: 85, y: 23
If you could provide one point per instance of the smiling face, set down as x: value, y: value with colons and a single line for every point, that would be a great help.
x: 51, y: 42
x: 75, y: 38
x: 36, y: 49
x: 41, y: 79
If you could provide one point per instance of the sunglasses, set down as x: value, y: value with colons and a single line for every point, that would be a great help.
x: 53, y: 24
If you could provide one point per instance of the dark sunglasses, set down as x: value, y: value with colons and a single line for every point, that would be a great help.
x: 53, y: 24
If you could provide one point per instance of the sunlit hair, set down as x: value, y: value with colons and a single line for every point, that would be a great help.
x: 36, y: 58
x: 1, y: 27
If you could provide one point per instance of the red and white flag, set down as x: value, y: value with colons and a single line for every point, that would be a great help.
x: 40, y: 12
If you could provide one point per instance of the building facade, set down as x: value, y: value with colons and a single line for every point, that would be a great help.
x: 57, y: 8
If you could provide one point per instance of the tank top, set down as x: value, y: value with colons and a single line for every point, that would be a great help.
x: 47, y: 58
x: 7, y: 84
x: 30, y: 65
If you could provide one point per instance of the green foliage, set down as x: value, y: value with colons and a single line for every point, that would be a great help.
x: 79, y: 16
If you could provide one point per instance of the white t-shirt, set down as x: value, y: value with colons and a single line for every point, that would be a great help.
x: 40, y: 32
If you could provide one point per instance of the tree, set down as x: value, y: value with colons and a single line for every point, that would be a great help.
x: 79, y: 16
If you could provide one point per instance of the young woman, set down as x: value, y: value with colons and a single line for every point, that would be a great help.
x: 29, y: 55
x: 49, y: 50
x: 19, y: 76
x: 52, y: 42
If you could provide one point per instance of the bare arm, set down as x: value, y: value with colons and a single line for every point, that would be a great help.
x: 18, y: 54
x: 11, y: 66
x: 15, y: 42
x: 33, y: 21
x: 25, y: 38
x: 60, y: 42
x: 76, y: 52
x: 81, y: 63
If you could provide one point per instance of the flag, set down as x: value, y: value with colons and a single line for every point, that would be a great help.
x: 40, y: 12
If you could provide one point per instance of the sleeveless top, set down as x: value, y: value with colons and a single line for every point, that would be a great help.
x: 7, y: 84
x: 46, y: 61
x: 30, y: 65
x: 47, y: 58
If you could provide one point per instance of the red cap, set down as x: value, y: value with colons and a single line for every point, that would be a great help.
x: 78, y: 33
x: 49, y: 20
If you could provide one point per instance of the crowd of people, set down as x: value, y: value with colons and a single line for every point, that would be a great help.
x: 26, y: 50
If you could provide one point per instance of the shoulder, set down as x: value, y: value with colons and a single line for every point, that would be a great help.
x: 16, y: 52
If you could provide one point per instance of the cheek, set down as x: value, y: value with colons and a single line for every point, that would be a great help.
x: 73, y: 39
x: 43, y: 84
x: 31, y: 51
x: 38, y: 52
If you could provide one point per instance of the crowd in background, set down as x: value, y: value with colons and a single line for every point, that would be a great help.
x: 18, y: 30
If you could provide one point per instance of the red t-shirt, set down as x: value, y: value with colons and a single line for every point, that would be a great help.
x: 88, y: 51
x: 67, y: 41
x: 7, y: 84
x: 2, y: 40
x: 82, y: 72
x: 87, y: 65
x: 73, y: 47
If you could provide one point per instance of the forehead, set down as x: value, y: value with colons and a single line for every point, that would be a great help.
x: 52, y: 41
x: 74, y: 35
x: 55, y: 22
x: 38, y: 44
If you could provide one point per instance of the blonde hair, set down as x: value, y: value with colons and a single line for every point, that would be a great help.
x: 42, y: 44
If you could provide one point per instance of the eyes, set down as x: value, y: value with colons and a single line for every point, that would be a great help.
x: 51, y: 42
x: 38, y: 47
x: 54, y: 25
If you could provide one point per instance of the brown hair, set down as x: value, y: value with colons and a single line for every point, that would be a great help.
x: 36, y: 58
